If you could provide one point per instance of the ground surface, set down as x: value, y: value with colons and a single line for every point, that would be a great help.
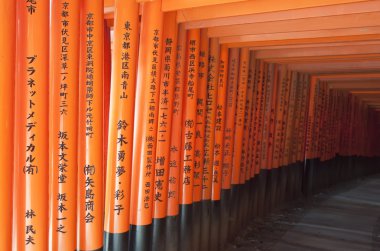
x: 344, y: 218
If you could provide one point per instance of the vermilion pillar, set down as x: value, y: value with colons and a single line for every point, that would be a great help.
x: 31, y: 143
x: 200, y: 137
x: 240, y: 114
x: 212, y: 92
x: 145, y: 125
x: 90, y: 135
x: 164, y: 127
x: 175, y: 143
x: 228, y: 142
x: 229, y: 131
x: 64, y: 77
x: 120, y: 125
x: 245, y: 177
x: 220, y: 121
x: 189, y: 120
x: 239, y: 133
x: 7, y: 86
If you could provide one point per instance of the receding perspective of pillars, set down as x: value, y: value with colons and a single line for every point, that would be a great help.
x: 156, y: 125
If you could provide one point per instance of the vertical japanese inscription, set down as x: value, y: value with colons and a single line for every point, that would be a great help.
x: 146, y: 113
x: 229, y: 132
x: 31, y: 141
x: 165, y: 106
x: 220, y: 123
x: 201, y: 115
x: 31, y: 159
x: 64, y: 78
x: 189, y: 117
x: 240, y: 115
x: 212, y: 92
x: 90, y: 135
x: 176, y: 139
x: 120, y: 131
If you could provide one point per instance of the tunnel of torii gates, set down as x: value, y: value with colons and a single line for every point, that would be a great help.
x: 213, y: 112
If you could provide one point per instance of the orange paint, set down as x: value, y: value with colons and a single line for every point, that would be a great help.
x: 201, y: 116
x: 212, y: 94
x: 289, y: 124
x: 176, y: 139
x: 303, y: 120
x: 292, y: 158
x: 64, y: 77
x: 90, y: 135
x: 272, y: 117
x: 7, y: 94
x: 121, y: 117
x: 240, y: 114
x: 219, y: 124
x: 32, y: 130
x: 286, y: 128
x: 165, y: 107
x: 279, y: 117
x: 146, y: 113
x: 106, y: 94
x: 189, y: 118
x: 247, y: 143
x: 259, y: 114
x: 229, y: 135
x: 269, y: 92
x: 251, y: 111
x: 253, y: 122
x: 310, y: 125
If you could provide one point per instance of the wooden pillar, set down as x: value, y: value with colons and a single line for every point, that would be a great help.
x: 90, y: 136
x: 120, y: 126
x: 172, y: 222
x: 218, y: 150
x: 245, y: 177
x: 189, y: 120
x: 200, y: 137
x: 228, y: 142
x: 145, y: 125
x: 7, y: 95
x: 164, y: 127
x: 229, y: 136
x: 259, y: 115
x: 238, y: 141
x: 64, y: 77
x: 212, y: 93
x: 107, y: 68
x: 31, y: 143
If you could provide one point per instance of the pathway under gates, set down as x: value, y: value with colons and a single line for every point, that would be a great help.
x: 344, y: 218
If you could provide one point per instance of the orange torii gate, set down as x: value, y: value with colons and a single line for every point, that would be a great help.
x: 167, y: 125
